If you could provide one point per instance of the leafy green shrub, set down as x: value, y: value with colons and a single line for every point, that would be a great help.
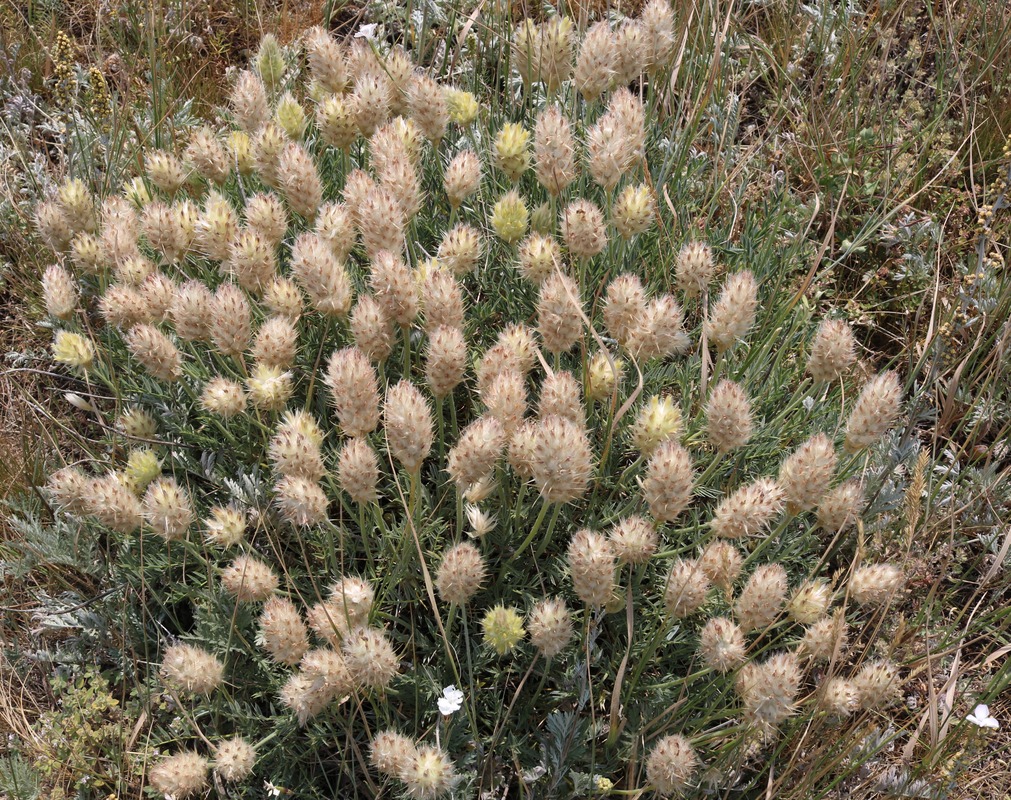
x: 362, y: 555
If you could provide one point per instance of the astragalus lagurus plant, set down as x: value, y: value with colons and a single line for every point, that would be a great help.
x: 404, y: 403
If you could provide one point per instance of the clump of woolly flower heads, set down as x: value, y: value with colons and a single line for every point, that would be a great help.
x: 318, y: 372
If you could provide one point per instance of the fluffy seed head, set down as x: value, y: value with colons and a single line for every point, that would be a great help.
x: 810, y: 602
x: 282, y: 298
x: 189, y: 669
x: 53, y: 226
x: 400, y: 178
x: 136, y: 423
x: 269, y: 62
x: 326, y: 60
x: 550, y: 626
x: 671, y: 765
x: 875, y: 584
x: 595, y: 63
x: 630, y: 55
x: 223, y: 397
x: 728, y: 417
x: 337, y: 119
x: 207, y: 156
x: 441, y: 299
x: 503, y: 628
x: 180, y: 776
x: 268, y: 145
x: 477, y: 451
x: 249, y: 580
x: 460, y: 574
x: 108, y: 499
x: 155, y: 351
x: 86, y: 253
x: 248, y: 101
x: 633, y: 540
x: 695, y: 268
x: 658, y: 331
x: 161, y: 225
x: 877, y: 684
x: 354, y: 391
x: 833, y: 351
x: 371, y: 329
x: 591, y: 564
x: 234, y: 759
x: 748, y: 510
x: 251, y: 260
x: 509, y: 217
x: 408, y: 421
x: 355, y: 597
x: 358, y: 470
x: 226, y: 526
x: 168, y: 509
x: 561, y: 397
x: 370, y: 657
x: 838, y: 697
x: 624, y: 305
x: 657, y: 421
x: 304, y: 695
x: 462, y: 178
x: 240, y: 151
x: 268, y: 388
x: 633, y: 211
x: 539, y: 258
x: 462, y: 106
x: 231, y: 320
x: 505, y: 397
x: 805, y: 474
x: 657, y: 20
x: 686, y: 588
x: 294, y: 453
x: 142, y: 467
x: 321, y: 275
x: 371, y: 100
x: 839, y: 508
x: 276, y: 343
x: 460, y: 249
x: 216, y: 227
x: 66, y: 489
x: 876, y: 410
x: 583, y: 229
x: 73, y: 350
x: 555, y: 41
x: 554, y: 151
x: 721, y: 562
x: 733, y: 313
x: 391, y: 753
x: 721, y: 644
x: 300, y: 181
x: 769, y: 690
x: 166, y: 171
x: 123, y: 306
x: 300, y: 501
x: 59, y: 292
x: 512, y: 150
x: 561, y: 462
x: 282, y: 632
x: 559, y: 313
x: 426, y: 104
x: 445, y: 360
x: 428, y: 774
x: 335, y: 226
x: 824, y: 638
x: 762, y: 598
x: 266, y: 216
x: 381, y: 221
x: 667, y: 486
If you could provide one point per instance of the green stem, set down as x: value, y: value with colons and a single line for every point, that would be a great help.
x: 533, y: 532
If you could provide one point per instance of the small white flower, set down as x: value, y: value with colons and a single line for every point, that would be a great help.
x: 366, y: 31
x: 981, y: 717
x: 808, y: 403
x: 451, y: 700
x: 481, y: 522
x: 272, y: 791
